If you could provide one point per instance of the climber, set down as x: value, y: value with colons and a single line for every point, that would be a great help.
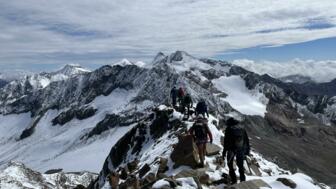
x: 173, y: 95
x: 187, y: 103
x: 236, y: 144
x: 200, y: 132
x: 180, y: 95
x: 202, y: 108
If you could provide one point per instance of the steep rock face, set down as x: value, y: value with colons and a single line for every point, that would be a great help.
x: 133, y: 145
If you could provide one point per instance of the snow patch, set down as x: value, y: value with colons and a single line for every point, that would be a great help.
x: 239, y: 97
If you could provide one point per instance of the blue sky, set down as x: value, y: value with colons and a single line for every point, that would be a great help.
x: 42, y: 34
x: 320, y: 49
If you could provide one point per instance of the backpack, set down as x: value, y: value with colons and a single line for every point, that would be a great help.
x: 180, y: 92
x: 201, y: 107
x: 237, y: 136
x: 187, y: 99
x: 200, y: 131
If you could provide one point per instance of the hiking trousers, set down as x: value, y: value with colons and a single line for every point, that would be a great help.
x: 239, y: 154
x: 174, y: 101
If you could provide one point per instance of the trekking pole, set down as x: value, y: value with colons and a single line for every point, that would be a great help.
x: 248, y: 166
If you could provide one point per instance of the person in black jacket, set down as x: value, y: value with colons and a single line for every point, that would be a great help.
x: 173, y: 95
x: 202, y: 108
x: 236, y: 144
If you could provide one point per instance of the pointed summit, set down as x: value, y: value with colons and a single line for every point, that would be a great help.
x: 159, y: 58
x: 179, y: 56
x: 71, y: 69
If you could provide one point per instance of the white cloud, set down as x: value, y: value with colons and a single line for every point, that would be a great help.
x: 320, y: 71
x: 134, y: 28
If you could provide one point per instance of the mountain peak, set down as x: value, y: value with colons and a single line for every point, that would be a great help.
x: 179, y: 56
x: 159, y: 57
x: 71, y: 69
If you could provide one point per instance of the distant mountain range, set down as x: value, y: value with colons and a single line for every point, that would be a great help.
x: 72, y: 118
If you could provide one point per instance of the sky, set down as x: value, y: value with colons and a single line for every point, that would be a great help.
x: 44, y: 34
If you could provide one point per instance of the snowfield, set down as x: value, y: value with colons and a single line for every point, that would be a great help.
x: 53, y: 147
x: 239, y: 97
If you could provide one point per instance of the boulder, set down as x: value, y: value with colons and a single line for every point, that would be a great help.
x: 144, y: 169
x: 80, y: 187
x: 132, y: 182
x: 185, y: 152
x: 204, y: 178
x: 287, y: 182
x: 190, y: 173
x: 251, y: 184
x: 114, y: 180
x: 219, y: 160
x: 148, y: 181
x: 161, y: 176
x: 163, y: 165
x: 133, y: 165
x: 173, y: 183
x: 224, y: 180
x: 123, y: 174
x: 212, y: 149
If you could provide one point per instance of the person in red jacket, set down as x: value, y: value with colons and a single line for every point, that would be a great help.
x: 180, y: 95
x: 200, y: 131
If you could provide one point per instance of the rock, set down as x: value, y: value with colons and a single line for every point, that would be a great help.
x: 144, y: 169
x: 150, y: 178
x: 173, y: 183
x: 204, y: 179
x: 123, y: 174
x: 80, y: 187
x: 219, y: 160
x: 212, y: 149
x: 161, y: 176
x: 198, y: 183
x: 287, y: 182
x: 254, y: 168
x: 52, y: 171
x: 224, y: 180
x: 163, y: 165
x: 251, y: 184
x: 190, y: 173
x: 114, y: 180
x: 185, y: 152
x: 222, y: 140
x: 132, y: 165
x: 85, y: 112
x: 132, y: 182
x: 214, y: 122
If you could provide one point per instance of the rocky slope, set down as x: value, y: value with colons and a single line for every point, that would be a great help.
x: 82, y: 116
x: 131, y: 163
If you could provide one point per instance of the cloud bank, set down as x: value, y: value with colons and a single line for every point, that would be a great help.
x: 85, y: 30
x: 319, y: 71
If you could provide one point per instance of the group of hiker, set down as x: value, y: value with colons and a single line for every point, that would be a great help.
x: 186, y: 103
x: 236, y: 142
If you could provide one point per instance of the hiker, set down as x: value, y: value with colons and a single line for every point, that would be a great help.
x: 236, y: 144
x: 180, y: 95
x: 187, y: 103
x: 173, y: 95
x: 200, y: 132
x: 202, y: 108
